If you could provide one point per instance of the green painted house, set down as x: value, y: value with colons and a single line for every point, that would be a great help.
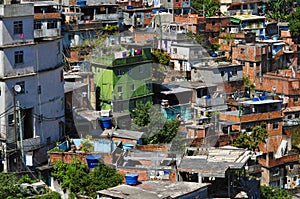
x: 123, y: 77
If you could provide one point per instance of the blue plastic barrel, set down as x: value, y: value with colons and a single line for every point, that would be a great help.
x: 93, y: 160
x: 131, y: 179
x: 105, y: 123
x: 255, y: 99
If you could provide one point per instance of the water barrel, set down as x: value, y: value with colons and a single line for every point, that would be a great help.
x: 255, y: 99
x: 93, y: 160
x: 81, y: 3
x: 129, y: 7
x: 105, y: 123
x: 262, y: 97
x: 131, y: 179
x: 128, y: 146
x: 214, y: 55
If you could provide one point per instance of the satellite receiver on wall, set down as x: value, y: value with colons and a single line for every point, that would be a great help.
x: 17, y: 88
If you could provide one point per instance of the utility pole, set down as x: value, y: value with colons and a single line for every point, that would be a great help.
x: 21, y: 134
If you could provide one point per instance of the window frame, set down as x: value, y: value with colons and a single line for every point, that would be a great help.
x: 19, y: 57
x: 18, y: 27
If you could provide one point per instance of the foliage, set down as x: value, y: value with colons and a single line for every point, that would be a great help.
x: 161, y: 57
x: 77, y: 178
x: 110, y: 28
x: 273, y: 193
x: 296, y: 137
x: 150, y: 120
x: 50, y: 195
x: 26, y: 179
x: 215, y: 47
x: 198, y: 38
x: 294, y: 22
x: 209, y: 7
x: 279, y: 10
x: 252, y: 140
x: 86, y: 145
x: 248, y: 83
x: 8, y: 186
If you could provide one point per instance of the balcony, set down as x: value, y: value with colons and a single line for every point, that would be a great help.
x: 53, y: 15
x: 31, y: 143
x: 283, y: 160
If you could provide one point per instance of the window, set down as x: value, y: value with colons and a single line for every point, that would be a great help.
x: 291, y: 167
x: 22, y: 85
x: 19, y: 57
x: 276, y: 172
x: 297, y: 115
x: 289, y: 116
x: 295, y: 99
x: 222, y: 73
x: 174, y: 50
x: 51, y: 24
x: 275, y: 125
x: 37, y: 25
x: 242, y: 50
x: 119, y: 72
x: 234, y: 72
x: 213, y: 23
x: 39, y: 89
x: 132, y: 87
x: 11, y: 119
x: 251, y: 64
x: 18, y: 27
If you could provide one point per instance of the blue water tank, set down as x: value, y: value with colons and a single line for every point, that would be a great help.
x: 105, y: 122
x: 128, y: 146
x: 255, y: 99
x: 93, y: 160
x: 81, y: 3
x: 131, y: 179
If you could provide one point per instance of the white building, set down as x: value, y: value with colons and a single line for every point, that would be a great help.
x: 36, y: 67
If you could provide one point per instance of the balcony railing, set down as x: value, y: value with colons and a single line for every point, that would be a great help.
x: 234, y: 116
x: 107, y: 16
x: 279, y: 161
x: 31, y: 143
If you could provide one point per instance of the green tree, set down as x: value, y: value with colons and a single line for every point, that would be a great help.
x: 208, y: 7
x: 150, y: 120
x: 8, y: 186
x: 279, y: 10
x: 273, y: 193
x: 252, y: 140
x: 78, y: 179
x: 161, y: 57
x: 294, y: 22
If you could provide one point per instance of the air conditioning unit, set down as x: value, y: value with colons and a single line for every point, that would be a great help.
x: 234, y: 30
x: 164, y: 102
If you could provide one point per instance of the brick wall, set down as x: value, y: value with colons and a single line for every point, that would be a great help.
x: 67, y: 157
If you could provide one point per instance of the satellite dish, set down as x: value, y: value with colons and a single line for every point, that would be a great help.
x: 17, y: 88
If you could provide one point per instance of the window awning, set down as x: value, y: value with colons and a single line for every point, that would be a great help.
x: 234, y: 20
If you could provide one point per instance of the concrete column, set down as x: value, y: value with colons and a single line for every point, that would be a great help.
x: 199, y: 178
